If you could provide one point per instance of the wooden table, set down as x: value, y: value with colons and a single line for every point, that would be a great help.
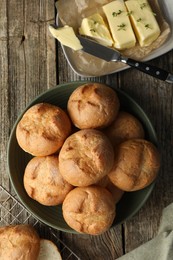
x: 31, y: 61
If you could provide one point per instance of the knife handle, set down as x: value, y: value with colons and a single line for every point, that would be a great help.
x: 148, y: 69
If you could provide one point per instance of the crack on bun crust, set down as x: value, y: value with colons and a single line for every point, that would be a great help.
x: 43, y: 129
x: 89, y: 209
x: 93, y: 106
x: 90, y: 159
x: 136, y: 165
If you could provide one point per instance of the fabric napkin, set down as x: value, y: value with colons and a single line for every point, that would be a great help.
x: 160, y: 247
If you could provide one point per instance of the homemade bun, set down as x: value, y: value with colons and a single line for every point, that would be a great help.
x: 115, y: 191
x: 19, y: 242
x: 48, y: 251
x: 124, y: 127
x: 89, y: 209
x: 43, y: 129
x: 86, y: 157
x: 43, y: 182
x: 93, y: 105
x: 136, y: 165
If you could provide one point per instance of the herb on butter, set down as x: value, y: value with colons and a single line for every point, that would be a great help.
x: 147, y: 26
x: 121, y: 27
x: 114, y: 14
x: 143, y: 5
x: 139, y: 20
x: 92, y: 30
x: 129, y: 13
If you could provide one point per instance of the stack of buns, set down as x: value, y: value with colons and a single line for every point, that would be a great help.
x: 23, y: 242
x: 86, y: 170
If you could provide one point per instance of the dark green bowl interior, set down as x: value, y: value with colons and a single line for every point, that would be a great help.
x: 17, y: 160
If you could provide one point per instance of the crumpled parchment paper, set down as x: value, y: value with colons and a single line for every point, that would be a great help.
x: 71, y: 12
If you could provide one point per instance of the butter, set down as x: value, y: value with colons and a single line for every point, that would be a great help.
x: 95, y: 27
x: 120, y: 25
x: 143, y: 20
x: 66, y: 36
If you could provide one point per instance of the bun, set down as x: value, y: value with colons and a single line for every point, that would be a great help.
x: 93, y: 105
x: 43, y: 129
x: 86, y: 157
x: 115, y: 191
x: 136, y: 165
x: 125, y: 127
x: 43, y: 182
x: 48, y: 251
x: 19, y: 242
x: 89, y: 210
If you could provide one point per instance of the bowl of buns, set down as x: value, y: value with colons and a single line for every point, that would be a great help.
x: 83, y: 157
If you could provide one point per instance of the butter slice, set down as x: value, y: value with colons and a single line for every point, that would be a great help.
x: 143, y: 20
x: 66, y: 36
x: 95, y: 27
x: 119, y: 23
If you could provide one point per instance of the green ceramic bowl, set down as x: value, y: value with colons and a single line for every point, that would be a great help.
x: 17, y: 160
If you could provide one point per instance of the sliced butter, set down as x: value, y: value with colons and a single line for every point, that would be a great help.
x: 66, y: 36
x: 143, y: 20
x: 95, y: 27
x: 119, y: 23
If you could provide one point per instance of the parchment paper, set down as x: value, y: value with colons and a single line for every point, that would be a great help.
x: 71, y: 12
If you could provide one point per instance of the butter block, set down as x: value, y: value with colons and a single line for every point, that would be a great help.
x: 66, y: 36
x: 95, y: 27
x: 120, y: 25
x: 143, y: 21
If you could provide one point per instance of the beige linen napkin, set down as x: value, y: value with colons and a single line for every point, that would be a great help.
x: 159, y: 248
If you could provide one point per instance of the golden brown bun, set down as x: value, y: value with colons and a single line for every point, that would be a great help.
x: 89, y: 209
x: 115, y: 191
x: 86, y: 157
x: 125, y: 127
x: 43, y: 182
x: 19, y: 242
x: 93, y: 105
x: 43, y: 129
x: 136, y: 165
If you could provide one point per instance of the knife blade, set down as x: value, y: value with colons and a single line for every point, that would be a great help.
x: 110, y: 54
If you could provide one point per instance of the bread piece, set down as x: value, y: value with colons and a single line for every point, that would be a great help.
x: 43, y: 182
x: 19, y: 242
x: 48, y: 250
x: 136, y: 165
x: 86, y: 157
x: 43, y: 129
x: 89, y: 210
x: 125, y: 127
x: 93, y: 105
x: 115, y: 191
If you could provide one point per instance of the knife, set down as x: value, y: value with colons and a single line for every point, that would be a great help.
x: 110, y: 54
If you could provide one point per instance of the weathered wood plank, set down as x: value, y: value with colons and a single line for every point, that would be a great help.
x: 4, y: 126
x: 106, y: 246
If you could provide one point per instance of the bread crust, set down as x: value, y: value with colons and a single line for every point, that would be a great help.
x: 43, y: 181
x: 93, y: 105
x: 125, y: 127
x: 86, y: 157
x: 89, y: 209
x: 115, y: 191
x: 43, y: 129
x: 19, y: 242
x: 136, y: 165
